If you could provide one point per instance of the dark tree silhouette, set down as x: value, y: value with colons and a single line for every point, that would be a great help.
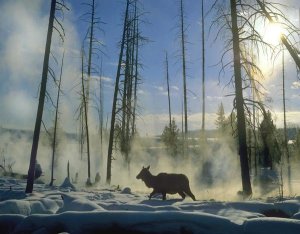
x: 36, y: 133
x: 203, y: 66
x: 54, y: 143
x: 91, y: 47
x: 114, y: 105
x: 123, y: 117
x: 183, y: 57
x: 239, y: 102
x: 168, y: 88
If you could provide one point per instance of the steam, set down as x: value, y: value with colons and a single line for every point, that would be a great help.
x: 22, y: 47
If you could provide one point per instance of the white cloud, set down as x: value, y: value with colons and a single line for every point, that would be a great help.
x: 295, y: 85
x: 214, y: 98
x: 103, y: 78
x: 175, y: 87
x: 141, y: 92
x: 159, y: 88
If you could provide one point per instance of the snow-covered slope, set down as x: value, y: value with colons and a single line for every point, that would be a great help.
x: 108, y: 210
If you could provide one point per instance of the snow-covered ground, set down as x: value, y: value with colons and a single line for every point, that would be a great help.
x: 115, y: 210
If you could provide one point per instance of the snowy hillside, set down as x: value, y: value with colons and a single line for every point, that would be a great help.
x: 114, y: 210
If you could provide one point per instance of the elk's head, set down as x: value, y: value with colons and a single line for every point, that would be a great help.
x: 143, y: 173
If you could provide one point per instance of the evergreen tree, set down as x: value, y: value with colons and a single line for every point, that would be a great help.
x: 221, y: 118
x: 170, y: 137
x: 271, y: 150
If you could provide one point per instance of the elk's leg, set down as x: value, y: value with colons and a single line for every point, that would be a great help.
x: 189, y: 192
x: 164, y: 196
x: 151, y: 194
x: 181, y: 193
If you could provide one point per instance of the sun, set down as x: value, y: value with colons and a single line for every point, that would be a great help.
x: 273, y: 33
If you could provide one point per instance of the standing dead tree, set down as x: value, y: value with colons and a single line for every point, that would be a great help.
x: 84, y: 118
x: 124, y: 107
x: 54, y: 142
x: 168, y: 89
x: 99, y: 102
x: 114, y: 105
x: 239, y: 102
x: 56, y: 25
x: 183, y: 57
x: 93, y: 46
x: 203, y: 65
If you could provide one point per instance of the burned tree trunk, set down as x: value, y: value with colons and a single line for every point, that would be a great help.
x: 36, y: 134
x: 183, y: 51
x: 239, y: 102
x: 168, y: 89
x: 55, y: 121
x: 85, y: 108
x: 203, y: 67
x: 114, y: 105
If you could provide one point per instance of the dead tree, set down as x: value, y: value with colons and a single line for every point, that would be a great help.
x: 85, y: 118
x: 130, y: 82
x: 168, y: 89
x: 239, y: 102
x: 203, y: 66
x: 183, y: 57
x: 99, y: 105
x: 36, y: 133
x: 125, y: 97
x: 54, y: 143
x: 93, y: 47
x: 114, y: 105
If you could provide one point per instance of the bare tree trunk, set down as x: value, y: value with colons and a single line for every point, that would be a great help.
x: 114, y: 105
x: 36, y: 134
x: 136, y: 77
x: 241, y: 126
x: 168, y: 88
x: 87, y: 94
x: 88, y: 182
x: 182, y: 35
x: 203, y: 67
x: 81, y: 119
x: 284, y: 108
x: 101, y: 110
x: 55, y: 121
x: 284, y: 124
x: 68, y: 170
x: 90, y: 50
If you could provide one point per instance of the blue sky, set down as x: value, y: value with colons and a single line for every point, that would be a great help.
x: 23, y: 26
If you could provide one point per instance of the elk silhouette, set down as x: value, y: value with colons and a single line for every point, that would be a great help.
x: 166, y: 183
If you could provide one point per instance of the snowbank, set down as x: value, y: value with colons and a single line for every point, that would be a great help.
x: 109, y: 210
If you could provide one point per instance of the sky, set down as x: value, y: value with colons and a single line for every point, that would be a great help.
x: 23, y: 27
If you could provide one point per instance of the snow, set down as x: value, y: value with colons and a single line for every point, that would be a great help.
x: 115, y: 210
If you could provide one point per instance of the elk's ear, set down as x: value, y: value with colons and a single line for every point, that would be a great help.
x: 148, y: 167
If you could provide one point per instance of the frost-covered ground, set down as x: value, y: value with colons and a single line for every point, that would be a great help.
x: 114, y: 210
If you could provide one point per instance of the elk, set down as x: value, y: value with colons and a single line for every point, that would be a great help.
x: 166, y: 183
